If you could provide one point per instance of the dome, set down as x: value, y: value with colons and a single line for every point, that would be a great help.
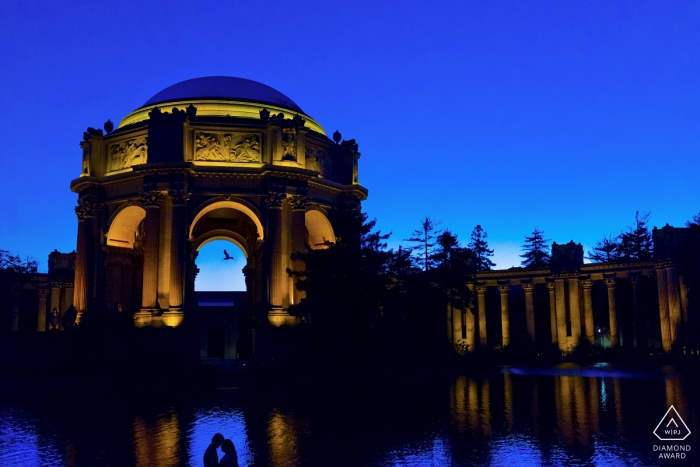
x: 222, y: 96
x: 223, y: 88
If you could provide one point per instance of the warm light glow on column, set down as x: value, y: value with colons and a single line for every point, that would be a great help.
x: 674, y: 301
x: 481, y: 303
x: 42, y: 324
x: 298, y: 203
x: 574, y: 310
x: 552, y: 313
x: 560, y: 299
x: 177, y: 247
x: 274, y: 225
x: 663, y: 308
x: 588, y: 310
x: 505, y: 323
x: 612, y: 310
x: 530, y: 310
x: 150, y: 250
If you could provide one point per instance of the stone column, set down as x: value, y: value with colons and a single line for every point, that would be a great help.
x: 674, y: 300
x: 639, y: 320
x: 612, y: 310
x: 560, y: 292
x: 530, y: 310
x: 588, y: 324
x: 151, y: 245
x: 574, y: 310
x: 481, y: 304
x: 84, y: 254
x: 177, y: 249
x: 298, y: 203
x: 663, y: 307
x: 469, y: 321
x: 55, y: 300
x: 684, y: 297
x: 276, y: 263
x: 42, y: 324
x: 505, y: 324
x: 552, y: 312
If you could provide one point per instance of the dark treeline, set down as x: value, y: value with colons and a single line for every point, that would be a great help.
x: 367, y: 303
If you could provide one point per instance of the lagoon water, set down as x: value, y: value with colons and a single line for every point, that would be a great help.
x: 566, y: 415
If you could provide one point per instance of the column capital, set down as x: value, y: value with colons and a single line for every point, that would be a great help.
x: 298, y: 202
x: 504, y: 289
x: 88, y: 206
x: 480, y: 289
x: 610, y: 282
x: 274, y: 199
x: 528, y: 287
x: 43, y: 292
x: 550, y: 286
x: 179, y: 197
x: 152, y: 198
x: 586, y: 283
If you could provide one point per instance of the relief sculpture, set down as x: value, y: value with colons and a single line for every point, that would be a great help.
x: 128, y: 153
x: 227, y: 148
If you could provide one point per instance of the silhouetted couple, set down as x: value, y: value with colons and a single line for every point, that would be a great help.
x: 211, y: 458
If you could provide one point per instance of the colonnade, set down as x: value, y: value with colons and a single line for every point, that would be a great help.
x: 571, y: 314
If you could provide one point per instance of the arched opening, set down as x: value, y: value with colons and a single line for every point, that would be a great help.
x: 224, y: 234
x: 319, y: 230
x: 122, y: 230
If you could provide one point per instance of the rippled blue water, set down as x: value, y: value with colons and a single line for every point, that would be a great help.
x: 560, y: 416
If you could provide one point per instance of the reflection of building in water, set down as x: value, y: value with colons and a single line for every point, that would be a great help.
x: 577, y: 409
x: 157, y: 442
x: 470, y: 402
x: 628, y: 303
x: 283, y: 434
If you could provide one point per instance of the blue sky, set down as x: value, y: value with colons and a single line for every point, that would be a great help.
x: 567, y: 115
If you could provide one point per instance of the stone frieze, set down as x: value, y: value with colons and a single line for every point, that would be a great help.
x: 227, y: 147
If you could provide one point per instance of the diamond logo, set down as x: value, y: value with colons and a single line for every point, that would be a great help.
x: 672, y: 427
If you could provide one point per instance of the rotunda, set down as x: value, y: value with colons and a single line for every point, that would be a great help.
x: 205, y: 159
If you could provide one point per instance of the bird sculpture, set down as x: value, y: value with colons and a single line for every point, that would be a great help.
x: 227, y: 256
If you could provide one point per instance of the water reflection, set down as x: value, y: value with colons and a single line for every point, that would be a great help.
x: 565, y: 415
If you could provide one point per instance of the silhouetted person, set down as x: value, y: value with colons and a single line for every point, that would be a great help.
x: 69, y: 317
x: 211, y: 458
x: 230, y: 458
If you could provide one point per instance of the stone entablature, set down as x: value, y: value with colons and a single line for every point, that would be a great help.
x: 268, y: 141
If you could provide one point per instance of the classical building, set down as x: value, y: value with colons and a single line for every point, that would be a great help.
x: 628, y: 303
x: 205, y: 159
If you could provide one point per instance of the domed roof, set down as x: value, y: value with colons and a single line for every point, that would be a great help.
x: 223, y: 88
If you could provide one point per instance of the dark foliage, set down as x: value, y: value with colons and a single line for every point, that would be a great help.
x: 480, y: 248
x: 424, y: 241
x: 535, y: 250
x: 636, y: 242
x: 606, y: 249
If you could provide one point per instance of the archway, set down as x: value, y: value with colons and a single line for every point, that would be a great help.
x: 319, y: 230
x: 123, y: 228
x: 224, y: 234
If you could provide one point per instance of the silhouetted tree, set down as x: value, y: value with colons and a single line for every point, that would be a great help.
x: 14, y: 273
x: 424, y: 240
x: 480, y: 248
x: 636, y: 242
x: 536, y: 250
x: 345, y: 284
x: 607, y: 249
x: 694, y: 221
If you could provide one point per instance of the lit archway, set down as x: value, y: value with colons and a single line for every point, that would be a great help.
x: 122, y: 229
x: 319, y: 230
x: 228, y: 205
